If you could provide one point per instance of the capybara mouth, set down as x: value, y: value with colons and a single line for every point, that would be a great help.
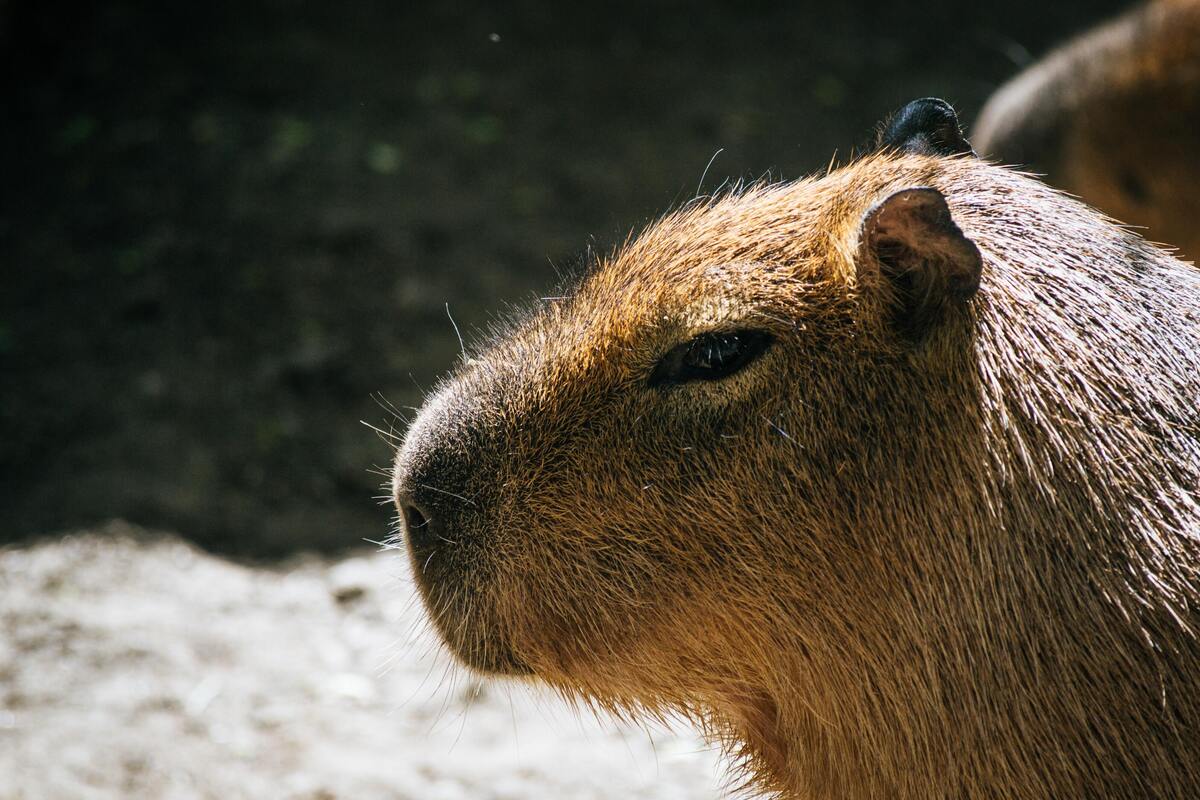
x: 493, y: 661
x: 445, y: 584
x: 477, y: 644
x: 463, y: 623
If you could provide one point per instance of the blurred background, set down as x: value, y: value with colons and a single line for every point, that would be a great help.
x: 231, y: 233
x: 230, y: 230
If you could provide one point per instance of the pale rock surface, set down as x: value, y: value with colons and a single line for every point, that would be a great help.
x: 135, y: 666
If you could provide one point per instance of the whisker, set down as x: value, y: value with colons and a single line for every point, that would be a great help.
x: 387, y: 436
x: 461, y: 347
x: 389, y: 407
x: 780, y: 320
x: 466, y: 500
x: 782, y: 432
x: 704, y: 174
x: 383, y: 545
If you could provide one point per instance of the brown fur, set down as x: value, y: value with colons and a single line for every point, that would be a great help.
x: 964, y: 566
x: 1113, y: 116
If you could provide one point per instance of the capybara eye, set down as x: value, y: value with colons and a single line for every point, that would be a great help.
x: 710, y: 356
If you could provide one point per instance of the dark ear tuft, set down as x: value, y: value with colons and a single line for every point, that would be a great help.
x: 928, y: 261
x: 927, y: 126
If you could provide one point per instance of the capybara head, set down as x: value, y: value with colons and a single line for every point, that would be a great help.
x: 792, y: 460
x: 1112, y: 116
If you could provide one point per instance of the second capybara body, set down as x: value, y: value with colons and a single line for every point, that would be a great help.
x: 888, y: 478
x: 1113, y: 116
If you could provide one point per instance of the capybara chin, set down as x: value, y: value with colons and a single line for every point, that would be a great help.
x: 888, y: 478
x: 1113, y: 116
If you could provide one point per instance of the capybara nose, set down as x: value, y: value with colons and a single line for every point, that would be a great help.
x: 434, y: 507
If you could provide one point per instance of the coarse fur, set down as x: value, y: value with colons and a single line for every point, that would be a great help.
x: 960, y: 564
x: 1113, y: 116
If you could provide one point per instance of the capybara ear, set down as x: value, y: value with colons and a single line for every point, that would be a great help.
x: 927, y: 126
x: 925, y: 257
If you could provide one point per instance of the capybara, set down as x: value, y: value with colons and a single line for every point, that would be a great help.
x: 888, y: 478
x: 1113, y: 116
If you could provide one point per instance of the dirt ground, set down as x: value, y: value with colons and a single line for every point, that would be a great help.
x: 226, y: 228
x: 135, y: 666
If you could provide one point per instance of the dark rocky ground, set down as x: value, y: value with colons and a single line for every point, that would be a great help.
x: 227, y: 225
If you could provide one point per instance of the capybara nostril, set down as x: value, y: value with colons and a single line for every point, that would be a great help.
x: 435, y: 486
x: 417, y: 526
